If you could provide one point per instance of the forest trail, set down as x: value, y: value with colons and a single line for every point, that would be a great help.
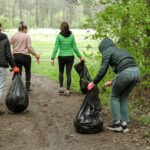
x: 48, y: 124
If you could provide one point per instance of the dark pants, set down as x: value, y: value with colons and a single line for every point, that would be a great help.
x: 68, y: 62
x: 22, y: 60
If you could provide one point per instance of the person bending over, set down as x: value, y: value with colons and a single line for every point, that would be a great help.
x: 127, y: 76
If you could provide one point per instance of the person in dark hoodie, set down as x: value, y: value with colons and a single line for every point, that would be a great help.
x: 66, y: 44
x: 6, y: 59
x: 124, y: 65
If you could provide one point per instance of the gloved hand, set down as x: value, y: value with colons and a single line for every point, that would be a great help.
x: 90, y: 86
x: 15, y: 69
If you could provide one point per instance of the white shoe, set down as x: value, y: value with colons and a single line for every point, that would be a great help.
x: 125, y: 128
x: 61, y: 90
x: 67, y: 93
x: 115, y: 127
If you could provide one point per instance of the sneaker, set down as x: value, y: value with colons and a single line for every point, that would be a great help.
x: 115, y: 127
x: 61, y: 90
x: 125, y: 128
x: 67, y: 93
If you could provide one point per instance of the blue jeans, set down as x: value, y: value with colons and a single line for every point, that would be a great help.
x: 122, y: 86
x: 3, y: 74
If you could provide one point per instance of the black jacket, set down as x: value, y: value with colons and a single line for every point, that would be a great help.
x: 6, y: 58
x: 117, y: 58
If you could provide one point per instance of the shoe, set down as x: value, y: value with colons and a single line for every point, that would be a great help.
x: 115, y: 127
x: 67, y: 93
x: 28, y: 84
x: 61, y: 90
x: 125, y: 128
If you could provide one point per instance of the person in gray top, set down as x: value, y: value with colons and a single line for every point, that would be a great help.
x: 127, y: 76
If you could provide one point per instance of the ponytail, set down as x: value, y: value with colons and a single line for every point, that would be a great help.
x: 22, y: 26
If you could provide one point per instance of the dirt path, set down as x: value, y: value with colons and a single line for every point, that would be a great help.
x: 48, y: 125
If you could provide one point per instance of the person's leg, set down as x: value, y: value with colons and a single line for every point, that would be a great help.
x: 69, y: 65
x: 124, y: 106
x: 3, y: 74
x: 61, y: 62
x: 123, y: 98
x: 27, y: 66
x: 121, y: 81
x: 124, y: 102
x: 18, y: 61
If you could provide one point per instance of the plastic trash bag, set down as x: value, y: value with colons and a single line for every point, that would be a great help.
x: 88, y: 119
x: 84, y: 76
x: 17, y: 98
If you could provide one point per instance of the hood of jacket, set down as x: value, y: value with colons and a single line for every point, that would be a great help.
x: 105, y: 43
x: 66, y: 33
x: 2, y: 36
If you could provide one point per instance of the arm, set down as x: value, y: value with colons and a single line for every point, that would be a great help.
x: 30, y: 48
x: 108, y: 83
x: 11, y: 39
x: 56, y: 47
x: 75, y: 49
x: 8, y: 55
x: 33, y: 52
x: 104, y: 68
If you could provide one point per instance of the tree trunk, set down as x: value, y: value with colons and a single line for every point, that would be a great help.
x: 37, y: 13
x: 123, y: 23
x: 20, y: 9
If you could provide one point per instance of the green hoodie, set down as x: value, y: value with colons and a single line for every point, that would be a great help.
x: 117, y: 58
x: 66, y: 45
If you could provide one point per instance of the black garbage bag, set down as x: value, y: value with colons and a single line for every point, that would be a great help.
x: 88, y: 119
x: 17, y: 98
x: 84, y: 76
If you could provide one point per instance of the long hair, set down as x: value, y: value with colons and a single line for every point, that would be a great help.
x: 22, y: 26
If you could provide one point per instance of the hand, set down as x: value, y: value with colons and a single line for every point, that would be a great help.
x: 38, y: 59
x: 15, y: 69
x: 108, y: 83
x: 37, y: 56
x: 82, y: 59
x: 52, y: 62
x: 90, y: 86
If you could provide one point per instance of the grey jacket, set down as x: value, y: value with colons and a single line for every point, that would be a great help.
x: 117, y: 58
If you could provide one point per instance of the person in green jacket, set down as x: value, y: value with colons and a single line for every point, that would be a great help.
x: 128, y: 74
x: 65, y: 43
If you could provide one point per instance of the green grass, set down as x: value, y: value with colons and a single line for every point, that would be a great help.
x: 145, y: 119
